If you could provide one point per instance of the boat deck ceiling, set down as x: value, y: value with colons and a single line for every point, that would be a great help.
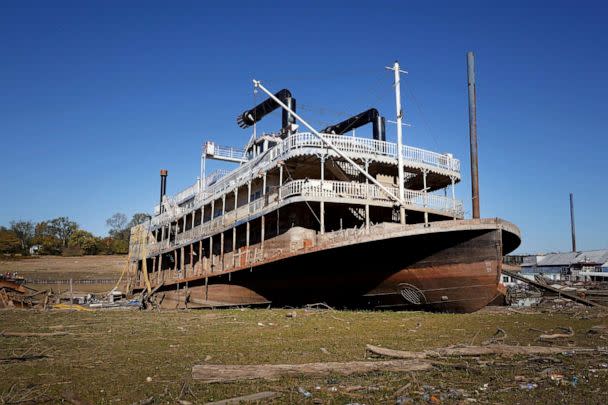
x: 303, y: 167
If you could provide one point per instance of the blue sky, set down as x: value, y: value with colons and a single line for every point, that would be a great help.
x: 96, y: 97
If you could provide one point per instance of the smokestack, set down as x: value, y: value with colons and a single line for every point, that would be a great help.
x: 163, y: 188
x: 572, y: 222
x: 473, y: 132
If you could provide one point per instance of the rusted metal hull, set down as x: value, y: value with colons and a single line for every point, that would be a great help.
x: 449, y: 271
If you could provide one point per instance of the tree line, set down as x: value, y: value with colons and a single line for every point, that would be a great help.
x: 62, y: 236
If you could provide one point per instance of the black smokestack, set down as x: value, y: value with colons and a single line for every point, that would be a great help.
x: 163, y: 188
x: 249, y: 117
x: 370, y: 116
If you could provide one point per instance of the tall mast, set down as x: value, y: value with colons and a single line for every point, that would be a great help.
x: 399, y: 109
x: 572, y: 228
x: 473, y: 132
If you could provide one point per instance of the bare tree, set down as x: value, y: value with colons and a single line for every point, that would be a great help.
x: 116, y: 223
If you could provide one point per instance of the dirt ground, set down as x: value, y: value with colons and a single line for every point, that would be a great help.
x: 54, y: 267
x: 123, y: 357
x: 64, y: 268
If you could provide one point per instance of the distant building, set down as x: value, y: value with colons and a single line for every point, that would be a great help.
x: 574, y: 266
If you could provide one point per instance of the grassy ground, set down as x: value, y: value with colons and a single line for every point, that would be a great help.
x: 108, y: 356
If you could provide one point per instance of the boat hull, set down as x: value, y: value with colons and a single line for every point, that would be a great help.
x: 447, y: 269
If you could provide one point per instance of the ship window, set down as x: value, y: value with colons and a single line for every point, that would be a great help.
x: 505, y: 279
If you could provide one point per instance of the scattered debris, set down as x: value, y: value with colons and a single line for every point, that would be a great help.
x: 305, y: 393
x: 499, y: 336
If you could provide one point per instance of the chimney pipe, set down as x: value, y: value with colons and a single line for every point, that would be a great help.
x: 473, y: 132
x: 572, y: 222
x: 163, y: 188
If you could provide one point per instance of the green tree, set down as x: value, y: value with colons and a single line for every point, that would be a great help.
x: 24, y: 230
x: 9, y: 242
x: 84, y: 240
x: 45, y: 237
x: 62, y: 228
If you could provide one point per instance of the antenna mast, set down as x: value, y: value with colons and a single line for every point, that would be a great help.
x: 401, y: 180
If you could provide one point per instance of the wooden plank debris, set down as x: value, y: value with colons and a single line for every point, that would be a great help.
x: 217, y: 373
x: 245, y: 398
x: 496, y: 349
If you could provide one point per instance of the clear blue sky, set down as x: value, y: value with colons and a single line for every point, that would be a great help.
x: 96, y: 97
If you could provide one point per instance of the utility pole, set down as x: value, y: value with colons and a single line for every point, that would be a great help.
x: 473, y: 132
x: 399, y: 109
x: 572, y: 222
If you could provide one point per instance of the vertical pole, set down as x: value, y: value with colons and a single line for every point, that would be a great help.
x: 572, y: 222
x: 234, y: 246
x: 71, y: 293
x: 426, y: 213
x: 203, y: 157
x: 211, y: 252
x: 222, y: 249
x: 191, y: 259
x: 223, y: 207
x: 280, y: 180
x: 322, y: 204
x: 453, y: 196
x: 248, y: 223
x: 200, y: 254
x: 473, y: 132
x: 366, y: 196
x: 399, y: 141
x: 263, y: 230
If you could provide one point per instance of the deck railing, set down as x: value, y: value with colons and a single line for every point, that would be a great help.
x: 349, y: 145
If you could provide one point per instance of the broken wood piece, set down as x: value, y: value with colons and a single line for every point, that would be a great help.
x: 73, y: 399
x: 503, y: 350
x: 215, y: 373
x: 569, y: 333
x: 499, y: 336
x: 32, y: 334
x: 245, y: 398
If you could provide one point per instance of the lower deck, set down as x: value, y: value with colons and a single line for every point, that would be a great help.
x: 442, y: 266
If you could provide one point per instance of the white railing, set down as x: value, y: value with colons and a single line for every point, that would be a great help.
x: 350, y: 190
x: 215, y: 176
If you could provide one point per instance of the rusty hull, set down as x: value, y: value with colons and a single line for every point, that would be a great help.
x: 451, y: 266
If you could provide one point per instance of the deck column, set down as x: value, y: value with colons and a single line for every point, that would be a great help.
x: 452, y: 178
x: 263, y: 225
x: 160, y: 268
x: 211, y: 253
x: 223, y: 207
x: 191, y: 259
x: 175, y: 262
x: 234, y: 246
x: 424, y: 190
x: 322, y: 203
x: 367, y: 196
x: 280, y: 179
x: 200, y: 253
x: 222, y: 249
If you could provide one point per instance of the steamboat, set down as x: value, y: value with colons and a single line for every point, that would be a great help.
x: 311, y: 216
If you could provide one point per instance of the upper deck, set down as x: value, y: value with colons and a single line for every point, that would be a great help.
x: 439, y: 169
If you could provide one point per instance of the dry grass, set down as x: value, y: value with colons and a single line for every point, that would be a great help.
x: 109, y: 355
